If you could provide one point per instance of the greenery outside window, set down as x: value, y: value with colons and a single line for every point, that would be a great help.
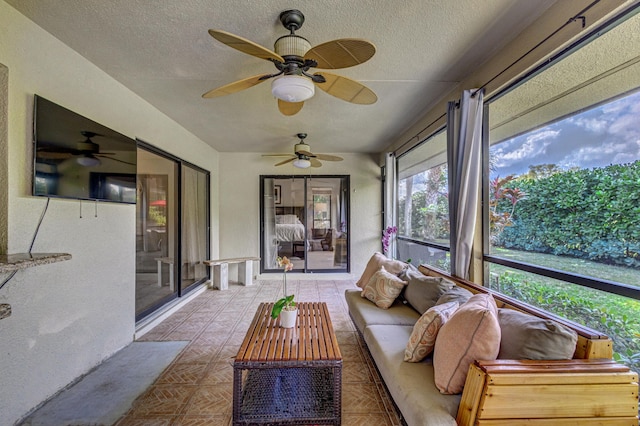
x: 563, y: 188
x: 423, y: 203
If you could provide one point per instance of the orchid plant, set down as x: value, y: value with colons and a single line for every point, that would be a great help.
x: 386, y: 238
x: 287, y: 301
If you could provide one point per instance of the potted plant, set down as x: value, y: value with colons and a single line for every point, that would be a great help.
x: 285, y: 307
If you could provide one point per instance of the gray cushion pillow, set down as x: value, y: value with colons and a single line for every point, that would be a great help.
x: 423, y: 291
x: 455, y: 294
x: 526, y: 336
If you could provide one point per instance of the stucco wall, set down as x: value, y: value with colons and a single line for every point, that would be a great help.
x: 67, y: 317
x: 240, y: 203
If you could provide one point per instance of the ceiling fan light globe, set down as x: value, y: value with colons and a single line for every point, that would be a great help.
x: 88, y: 161
x: 301, y: 163
x: 292, y: 88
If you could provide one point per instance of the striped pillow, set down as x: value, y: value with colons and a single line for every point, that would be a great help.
x: 423, y: 336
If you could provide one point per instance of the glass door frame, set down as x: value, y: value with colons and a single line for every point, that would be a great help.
x: 176, y: 215
x: 307, y: 221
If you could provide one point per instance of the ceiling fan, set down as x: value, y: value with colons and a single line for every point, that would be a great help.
x: 87, y: 153
x: 302, y: 156
x: 294, y: 57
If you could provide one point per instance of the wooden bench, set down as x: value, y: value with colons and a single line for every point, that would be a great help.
x: 220, y: 271
x: 168, y: 260
x: 590, y: 389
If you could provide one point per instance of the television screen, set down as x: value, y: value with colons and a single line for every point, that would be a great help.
x: 75, y: 157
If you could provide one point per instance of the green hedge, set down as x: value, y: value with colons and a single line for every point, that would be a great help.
x: 589, y: 213
x: 617, y: 317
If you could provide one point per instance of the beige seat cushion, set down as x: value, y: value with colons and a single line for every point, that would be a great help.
x: 411, y: 384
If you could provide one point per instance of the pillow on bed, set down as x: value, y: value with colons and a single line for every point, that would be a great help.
x: 526, y: 336
x: 287, y: 219
x: 375, y: 263
x: 383, y: 288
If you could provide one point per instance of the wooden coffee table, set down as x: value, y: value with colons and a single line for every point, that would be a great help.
x: 288, y: 375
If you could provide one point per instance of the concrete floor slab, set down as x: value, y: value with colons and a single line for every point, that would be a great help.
x: 107, y: 392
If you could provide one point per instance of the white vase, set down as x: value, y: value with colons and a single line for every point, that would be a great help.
x: 288, y: 318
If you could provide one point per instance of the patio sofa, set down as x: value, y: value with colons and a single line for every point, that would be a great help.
x: 586, y: 386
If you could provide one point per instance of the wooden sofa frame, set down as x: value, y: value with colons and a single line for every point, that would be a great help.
x: 589, y: 389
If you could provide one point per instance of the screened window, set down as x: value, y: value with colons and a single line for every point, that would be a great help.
x: 423, y: 203
x: 563, y: 189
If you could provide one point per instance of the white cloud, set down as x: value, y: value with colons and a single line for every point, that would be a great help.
x: 596, y: 125
x: 516, y: 150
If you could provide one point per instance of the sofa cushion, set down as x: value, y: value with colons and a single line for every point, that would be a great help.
x: 422, y: 291
x: 365, y: 313
x: 471, y: 333
x: 455, y: 294
x: 374, y: 264
x: 526, y: 336
x: 411, y: 385
x: 423, y: 336
x: 383, y: 288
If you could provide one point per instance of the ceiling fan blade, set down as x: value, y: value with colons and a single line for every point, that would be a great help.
x: 347, y: 89
x: 341, y: 53
x: 327, y: 157
x: 51, y: 155
x: 315, y: 163
x: 115, y: 159
x: 245, y: 46
x: 285, y: 161
x: 279, y: 155
x: 234, y: 87
x: 289, y: 108
x: 305, y: 152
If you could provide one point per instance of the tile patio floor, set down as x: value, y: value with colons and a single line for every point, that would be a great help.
x: 196, y: 388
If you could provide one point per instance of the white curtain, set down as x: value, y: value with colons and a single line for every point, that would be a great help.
x: 194, y: 226
x: 465, y: 175
x: 270, y: 239
x: 390, y: 203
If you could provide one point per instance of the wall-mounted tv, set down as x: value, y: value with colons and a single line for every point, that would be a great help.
x: 75, y: 157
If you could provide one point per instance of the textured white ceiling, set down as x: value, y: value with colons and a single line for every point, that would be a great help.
x: 161, y: 50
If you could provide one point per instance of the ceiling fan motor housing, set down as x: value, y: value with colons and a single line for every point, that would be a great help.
x: 302, y: 148
x: 292, y: 45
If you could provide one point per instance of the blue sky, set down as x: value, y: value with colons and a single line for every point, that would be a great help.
x: 607, y: 134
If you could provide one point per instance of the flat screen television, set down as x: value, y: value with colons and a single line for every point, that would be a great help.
x: 77, y: 158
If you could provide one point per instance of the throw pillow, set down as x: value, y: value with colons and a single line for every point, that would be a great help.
x: 423, y: 336
x: 455, y: 294
x: 423, y: 291
x: 374, y: 264
x: 383, y: 288
x: 526, y: 336
x: 471, y: 333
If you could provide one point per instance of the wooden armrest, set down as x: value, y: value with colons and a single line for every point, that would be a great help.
x: 583, y: 366
x: 567, y: 392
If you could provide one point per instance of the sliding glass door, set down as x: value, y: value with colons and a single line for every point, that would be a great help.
x: 306, y: 219
x: 172, y: 228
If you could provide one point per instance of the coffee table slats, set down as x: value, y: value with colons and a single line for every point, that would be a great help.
x: 311, y: 339
x: 333, y: 350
